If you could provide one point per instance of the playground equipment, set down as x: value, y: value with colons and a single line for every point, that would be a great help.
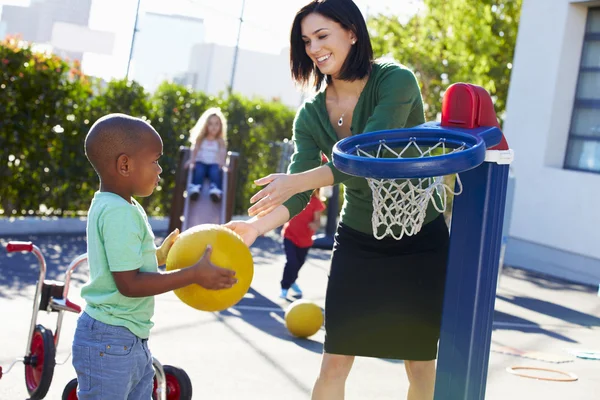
x: 170, y: 383
x: 185, y: 212
x: 303, y: 318
x: 50, y: 296
x: 405, y: 169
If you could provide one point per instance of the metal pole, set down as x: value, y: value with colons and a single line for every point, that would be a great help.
x: 237, y: 46
x: 137, y: 13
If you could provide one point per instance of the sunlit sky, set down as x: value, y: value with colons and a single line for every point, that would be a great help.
x: 265, y: 28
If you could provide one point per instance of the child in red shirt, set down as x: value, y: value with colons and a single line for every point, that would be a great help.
x: 297, y: 239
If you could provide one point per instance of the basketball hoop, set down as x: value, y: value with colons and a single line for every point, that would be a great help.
x: 405, y: 170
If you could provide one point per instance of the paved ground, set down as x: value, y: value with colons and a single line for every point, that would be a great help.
x: 246, y: 352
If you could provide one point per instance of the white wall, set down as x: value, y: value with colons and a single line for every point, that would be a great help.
x: 162, y: 47
x: 257, y: 74
x: 553, y: 207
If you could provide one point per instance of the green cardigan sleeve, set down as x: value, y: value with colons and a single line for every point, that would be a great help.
x: 307, y: 155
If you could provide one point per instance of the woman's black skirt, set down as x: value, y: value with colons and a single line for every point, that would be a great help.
x: 384, y: 297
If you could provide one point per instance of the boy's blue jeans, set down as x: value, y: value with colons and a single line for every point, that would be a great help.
x: 111, y: 362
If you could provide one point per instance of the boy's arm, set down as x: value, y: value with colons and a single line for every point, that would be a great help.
x: 123, y: 247
x: 143, y: 284
x: 135, y: 283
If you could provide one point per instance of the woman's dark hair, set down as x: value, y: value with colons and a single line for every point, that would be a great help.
x: 359, y: 60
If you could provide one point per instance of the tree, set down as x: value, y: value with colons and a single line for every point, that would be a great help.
x: 453, y: 41
x: 49, y: 105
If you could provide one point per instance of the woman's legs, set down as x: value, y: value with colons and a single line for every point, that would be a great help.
x: 331, y: 383
x: 421, y: 378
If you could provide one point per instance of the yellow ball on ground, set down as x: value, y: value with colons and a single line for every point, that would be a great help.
x: 228, y: 251
x: 303, y: 318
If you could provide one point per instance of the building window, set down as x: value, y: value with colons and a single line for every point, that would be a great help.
x: 583, y: 150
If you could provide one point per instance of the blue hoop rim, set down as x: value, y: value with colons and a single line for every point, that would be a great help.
x: 403, y: 168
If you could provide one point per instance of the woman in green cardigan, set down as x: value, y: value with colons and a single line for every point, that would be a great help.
x: 384, y: 297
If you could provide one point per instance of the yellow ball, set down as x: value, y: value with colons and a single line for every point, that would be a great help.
x: 228, y: 251
x: 303, y: 318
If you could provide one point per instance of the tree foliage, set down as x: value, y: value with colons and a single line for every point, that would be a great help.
x: 49, y: 106
x: 451, y: 41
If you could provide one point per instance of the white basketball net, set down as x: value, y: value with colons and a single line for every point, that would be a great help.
x: 400, y: 205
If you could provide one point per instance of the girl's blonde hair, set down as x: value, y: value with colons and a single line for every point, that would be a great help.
x: 200, y: 130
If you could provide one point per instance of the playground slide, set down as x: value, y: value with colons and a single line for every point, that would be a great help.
x: 186, y: 213
x: 203, y: 210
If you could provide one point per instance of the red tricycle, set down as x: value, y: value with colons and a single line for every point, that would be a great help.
x: 170, y: 383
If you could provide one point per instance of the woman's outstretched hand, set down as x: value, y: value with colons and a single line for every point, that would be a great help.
x: 280, y: 187
x: 245, y: 229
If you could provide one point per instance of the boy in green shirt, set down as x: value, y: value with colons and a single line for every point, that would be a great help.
x: 110, y: 350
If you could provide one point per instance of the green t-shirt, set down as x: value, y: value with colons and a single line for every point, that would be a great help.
x: 119, y: 238
x: 391, y: 99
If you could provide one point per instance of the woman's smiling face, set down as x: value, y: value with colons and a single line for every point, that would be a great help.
x: 327, y: 43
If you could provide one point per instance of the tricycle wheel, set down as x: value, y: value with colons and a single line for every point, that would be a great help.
x: 40, y: 368
x: 179, y: 385
x: 70, y: 392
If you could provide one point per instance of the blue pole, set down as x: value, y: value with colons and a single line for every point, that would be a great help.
x: 472, y: 273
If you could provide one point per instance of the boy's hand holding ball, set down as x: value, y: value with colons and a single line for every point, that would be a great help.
x: 163, y: 250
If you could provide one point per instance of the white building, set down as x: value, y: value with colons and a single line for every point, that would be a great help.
x: 256, y: 74
x: 553, y: 124
x: 162, y: 47
x: 35, y: 23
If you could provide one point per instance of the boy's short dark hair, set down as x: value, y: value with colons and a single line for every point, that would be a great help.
x: 358, y: 62
x: 113, y: 135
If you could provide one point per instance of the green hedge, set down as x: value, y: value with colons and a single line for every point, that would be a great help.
x: 49, y: 105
